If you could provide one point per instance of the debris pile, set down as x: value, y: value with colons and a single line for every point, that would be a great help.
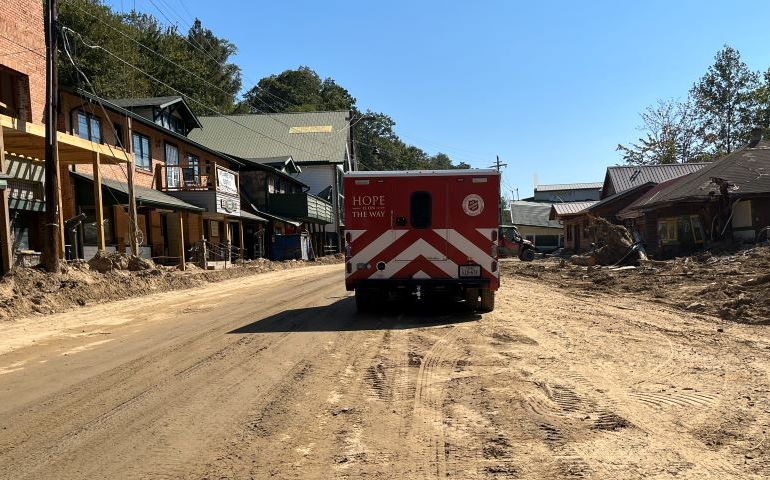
x: 113, y: 276
x: 734, y: 286
x: 108, y: 261
x: 614, y: 245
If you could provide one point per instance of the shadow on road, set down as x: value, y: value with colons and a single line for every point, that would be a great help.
x: 342, y: 316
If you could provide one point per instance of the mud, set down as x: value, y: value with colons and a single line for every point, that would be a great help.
x: 110, y: 277
x: 734, y: 286
x: 276, y: 376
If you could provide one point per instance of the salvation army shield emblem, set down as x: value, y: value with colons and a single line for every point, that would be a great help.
x: 473, y: 205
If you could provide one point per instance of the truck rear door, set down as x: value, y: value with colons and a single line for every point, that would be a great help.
x: 421, y: 209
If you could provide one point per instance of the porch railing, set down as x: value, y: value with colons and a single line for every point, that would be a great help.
x: 192, y: 177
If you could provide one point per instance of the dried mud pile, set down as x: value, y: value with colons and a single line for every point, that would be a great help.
x: 733, y: 286
x: 30, y: 291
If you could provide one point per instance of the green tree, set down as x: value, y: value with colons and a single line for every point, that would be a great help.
x: 726, y: 102
x: 196, y: 64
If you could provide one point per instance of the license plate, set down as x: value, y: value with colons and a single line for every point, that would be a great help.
x: 470, y: 270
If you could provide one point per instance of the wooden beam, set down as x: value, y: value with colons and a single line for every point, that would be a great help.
x: 133, y: 229
x: 182, y: 264
x: 28, y: 139
x: 240, y: 230
x: 6, y: 252
x: 99, y: 205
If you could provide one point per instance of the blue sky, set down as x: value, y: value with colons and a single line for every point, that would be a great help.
x: 551, y: 87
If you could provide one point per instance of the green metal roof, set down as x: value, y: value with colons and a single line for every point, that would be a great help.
x: 533, y: 214
x: 144, y: 196
x: 307, y: 136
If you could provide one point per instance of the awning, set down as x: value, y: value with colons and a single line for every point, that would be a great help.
x: 26, y: 205
x: 27, y: 140
x: 251, y: 217
x: 144, y: 196
x: 290, y: 221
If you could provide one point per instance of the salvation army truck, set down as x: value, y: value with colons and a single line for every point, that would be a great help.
x: 422, y: 233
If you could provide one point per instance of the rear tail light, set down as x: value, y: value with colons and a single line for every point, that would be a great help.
x: 494, y: 235
x: 348, y: 237
x: 349, y: 267
x: 494, y: 267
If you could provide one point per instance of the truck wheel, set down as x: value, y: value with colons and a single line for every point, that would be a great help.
x: 472, y: 299
x: 487, y: 300
x: 367, y: 300
x: 527, y: 255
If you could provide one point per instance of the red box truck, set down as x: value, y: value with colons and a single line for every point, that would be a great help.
x: 422, y: 232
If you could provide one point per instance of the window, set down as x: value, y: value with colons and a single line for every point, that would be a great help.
x: 119, y: 137
x: 668, y: 230
x: 173, y: 179
x: 142, y: 152
x: 89, y: 127
x: 421, y: 210
x: 191, y: 171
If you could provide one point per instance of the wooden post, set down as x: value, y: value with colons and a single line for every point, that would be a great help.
x: 100, y: 244
x: 228, y: 235
x: 240, y: 230
x: 52, y: 222
x: 133, y: 226
x: 182, y: 265
x: 6, y: 252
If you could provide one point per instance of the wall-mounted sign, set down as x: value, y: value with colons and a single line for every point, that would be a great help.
x: 226, y: 181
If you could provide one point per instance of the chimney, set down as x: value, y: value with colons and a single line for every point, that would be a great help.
x: 756, y: 136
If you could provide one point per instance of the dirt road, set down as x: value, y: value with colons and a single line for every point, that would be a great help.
x: 274, y: 376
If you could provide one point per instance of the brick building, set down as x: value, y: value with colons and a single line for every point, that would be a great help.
x: 22, y: 98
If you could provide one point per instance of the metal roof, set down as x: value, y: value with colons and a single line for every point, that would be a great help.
x: 306, y: 136
x: 144, y: 196
x: 426, y: 173
x: 569, y: 208
x: 146, y: 121
x: 146, y: 101
x: 250, y: 216
x: 533, y: 214
x: 639, y: 189
x: 569, y: 186
x: 623, y: 177
x: 634, y: 210
x: 159, y: 102
x: 747, y: 171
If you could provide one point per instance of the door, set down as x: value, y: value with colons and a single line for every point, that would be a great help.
x: 424, y: 219
x: 576, y: 236
x: 173, y: 177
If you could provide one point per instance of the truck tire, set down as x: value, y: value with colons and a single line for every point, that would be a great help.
x: 471, y: 296
x: 527, y: 255
x: 487, y: 300
x: 367, y: 300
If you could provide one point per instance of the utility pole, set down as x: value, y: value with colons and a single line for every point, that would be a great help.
x: 497, y: 166
x: 53, y: 225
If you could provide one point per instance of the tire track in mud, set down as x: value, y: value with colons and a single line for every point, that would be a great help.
x: 119, y: 381
x: 428, y: 409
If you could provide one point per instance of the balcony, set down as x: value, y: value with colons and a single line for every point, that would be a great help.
x: 206, y: 185
x: 302, y: 206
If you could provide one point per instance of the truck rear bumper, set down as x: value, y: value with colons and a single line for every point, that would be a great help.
x: 421, y: 282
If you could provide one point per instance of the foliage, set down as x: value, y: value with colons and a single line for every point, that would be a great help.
x: 724, y: 97
x: 140, y: 40
x: 723, y: 107
x: 378, y: 147
x: 671, y: 135
x: 199, y: 68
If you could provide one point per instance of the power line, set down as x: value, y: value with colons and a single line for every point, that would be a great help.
x: 172, y: 62
x: 207, y: 107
